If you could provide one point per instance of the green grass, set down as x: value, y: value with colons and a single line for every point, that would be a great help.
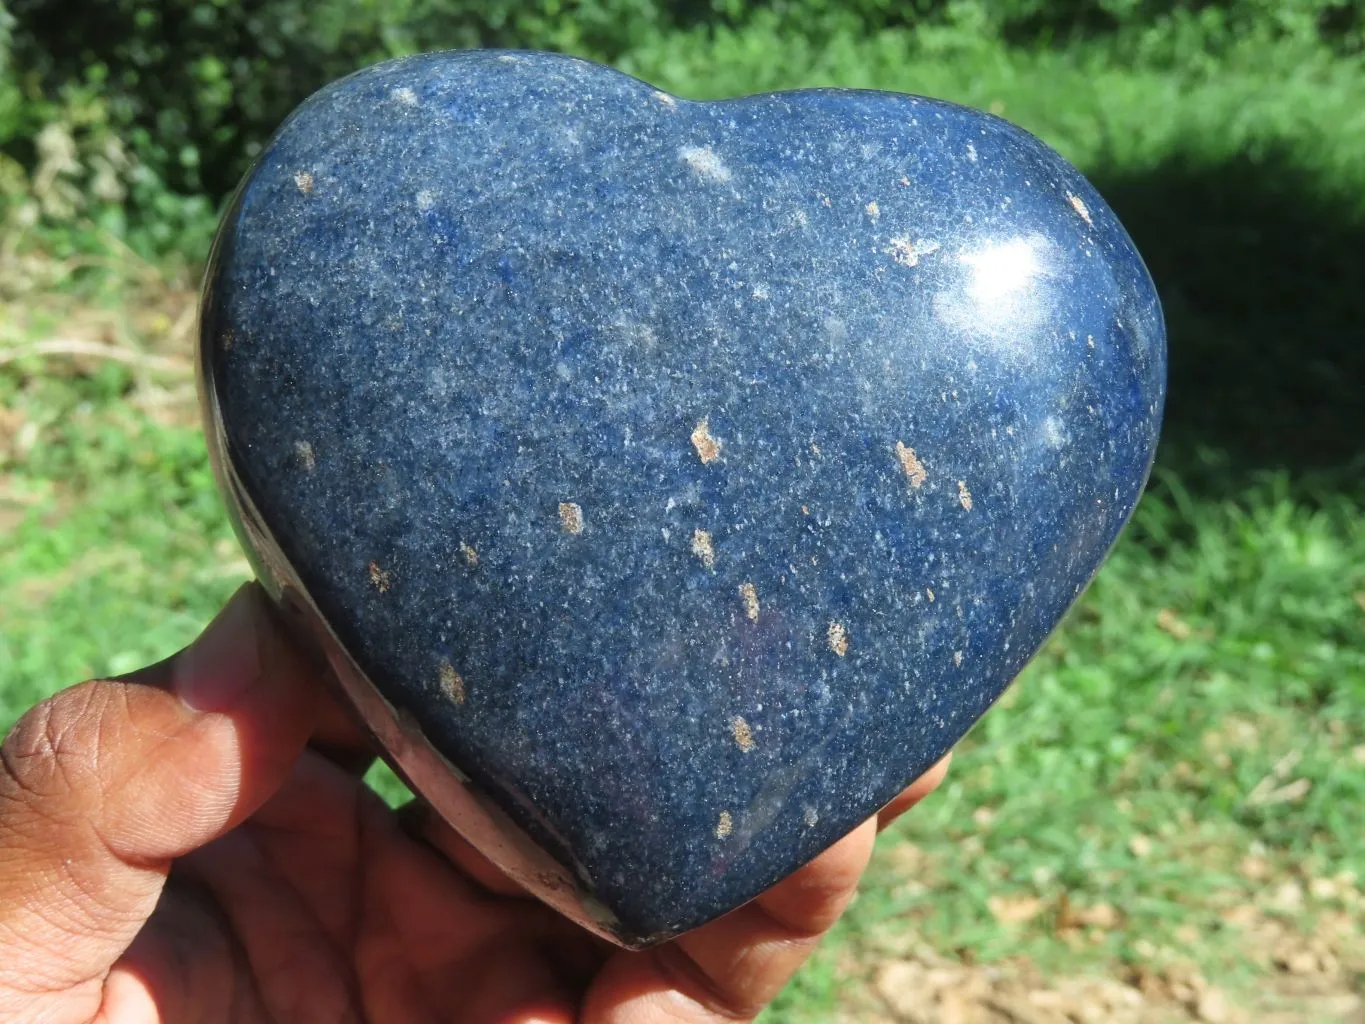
x: 124, y: 551
x: 1193, y: 737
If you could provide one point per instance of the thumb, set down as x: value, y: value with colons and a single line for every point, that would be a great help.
x: 102, y: 785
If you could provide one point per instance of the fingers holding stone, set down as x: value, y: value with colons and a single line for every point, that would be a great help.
x: 105, y: 783
x: 733, y: 967
x: 915, y: 792
x: 425, y: 824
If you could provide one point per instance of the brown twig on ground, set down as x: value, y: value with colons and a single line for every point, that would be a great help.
x: 95, y: 350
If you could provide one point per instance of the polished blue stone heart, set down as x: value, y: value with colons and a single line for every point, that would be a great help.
x: 670, y: 483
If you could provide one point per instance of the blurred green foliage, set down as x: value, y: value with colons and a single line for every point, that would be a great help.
x: 132, y: 113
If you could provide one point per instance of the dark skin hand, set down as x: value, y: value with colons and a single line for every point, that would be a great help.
x: 193, y: 843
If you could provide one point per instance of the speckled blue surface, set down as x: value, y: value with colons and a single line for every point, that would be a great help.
x: 695, y: 474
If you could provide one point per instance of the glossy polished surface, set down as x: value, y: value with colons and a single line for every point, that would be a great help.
x: 688, y: 476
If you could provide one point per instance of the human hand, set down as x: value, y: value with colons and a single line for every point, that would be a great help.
x: 194, y: 843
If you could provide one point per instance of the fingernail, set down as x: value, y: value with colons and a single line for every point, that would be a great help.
x: 215, y: 671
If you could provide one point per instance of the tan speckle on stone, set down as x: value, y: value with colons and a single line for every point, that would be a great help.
x: 303, y: 451
x: 743, y: 733
x: 665, y: 98
x: 725, y: 825
x: 381, y: 578
x: 929, y: 593
x: 914, y: 469
x: 703, y: 548
x: 708, y: 446
x: 957, y: 658
x: 907, y: 252
x: 964, y: 496
x: 1078, y: 204
x: 705, y: 163
x: 837, y: 637
x: 470, y: 556
x: 451, y: 683
x: 404, y: 96
x: 304, y: 180
x: 571, y: 517
x: 873, y: 211
x: 748, y: 593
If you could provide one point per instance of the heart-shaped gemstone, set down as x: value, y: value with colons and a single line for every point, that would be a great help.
x: 670, y: 483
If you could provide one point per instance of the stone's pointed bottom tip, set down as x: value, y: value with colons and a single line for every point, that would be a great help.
x: 690, y: 476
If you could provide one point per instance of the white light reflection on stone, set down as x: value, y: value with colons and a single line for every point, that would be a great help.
x: 996, y: 303
x: 1002, y: 272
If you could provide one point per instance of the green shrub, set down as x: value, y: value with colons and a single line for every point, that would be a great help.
x: 158, y: 100
x: 196, y: 86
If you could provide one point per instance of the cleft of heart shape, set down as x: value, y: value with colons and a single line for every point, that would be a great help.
x: 669, y: 483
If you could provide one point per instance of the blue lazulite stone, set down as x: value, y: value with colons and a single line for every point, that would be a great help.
x: 684, y: 478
